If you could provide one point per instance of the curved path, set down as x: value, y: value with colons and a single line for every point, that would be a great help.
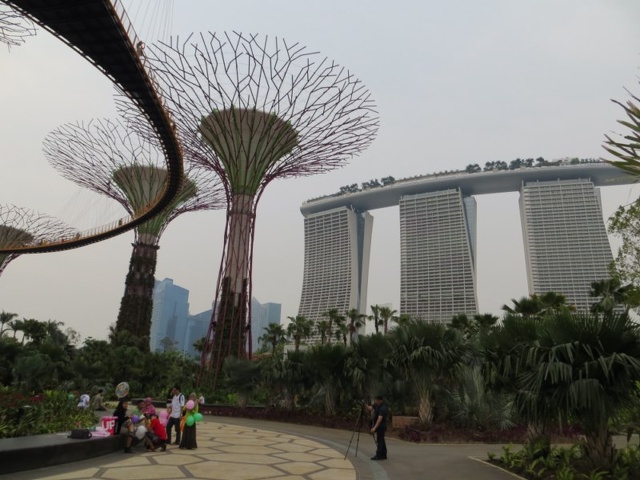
x: 239, y: 449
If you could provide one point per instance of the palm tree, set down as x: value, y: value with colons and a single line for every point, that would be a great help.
x: 585, y: 367
x: 427, y: 354
x: 527, y: 306
x: 355, y: 322
x: 328, y: 366
x: 323, y: 328
x: 5, y: 319
x: 386, y: 315
x: 552, y: 302
x: 611, y: 294
x: 299, y: 329
x: 274, y: 334
x: 333, y: 315
x: 342, y: 330
x: 375, y: 318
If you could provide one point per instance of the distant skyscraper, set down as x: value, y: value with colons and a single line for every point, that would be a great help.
x: 437, y: 255
x: 197, y: 326
x: 169, y: 317
x: 565, y: 239
x: 262, y: 314
x: 336, y: 262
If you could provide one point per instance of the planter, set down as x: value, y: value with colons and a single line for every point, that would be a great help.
x: 399, y: 422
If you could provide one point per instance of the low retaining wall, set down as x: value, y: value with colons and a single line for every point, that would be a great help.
x: 39, y: 451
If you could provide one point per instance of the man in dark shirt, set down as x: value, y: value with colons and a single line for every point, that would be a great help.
x: 379, y: 426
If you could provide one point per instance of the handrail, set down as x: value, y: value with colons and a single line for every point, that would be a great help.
x: 157, y: 113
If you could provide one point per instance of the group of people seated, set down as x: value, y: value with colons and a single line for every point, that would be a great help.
x: 97, y: 403
x: 144, y: 424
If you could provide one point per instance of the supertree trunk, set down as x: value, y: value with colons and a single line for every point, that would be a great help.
x: 134, y: 318
x: 231, y: 325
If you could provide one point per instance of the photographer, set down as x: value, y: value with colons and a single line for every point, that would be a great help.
x: 380, y: 412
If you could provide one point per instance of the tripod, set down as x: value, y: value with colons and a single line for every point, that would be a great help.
x: 356, y: 428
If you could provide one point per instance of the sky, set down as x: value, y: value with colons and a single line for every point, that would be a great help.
x: 455, y: 83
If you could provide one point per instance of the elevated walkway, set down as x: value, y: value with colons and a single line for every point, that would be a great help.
x: 101, y: 32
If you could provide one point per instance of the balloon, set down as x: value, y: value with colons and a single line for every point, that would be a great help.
x: 163, y: 414
x: 71, y: 396
x: 122, y: 389
x: 190, y: 405
x: 140, y: 431
x: 190, y: 421
x: 135, y: 419
x: 198, y: 417
x: 164, y: 421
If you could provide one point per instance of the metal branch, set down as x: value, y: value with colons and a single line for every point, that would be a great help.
x: 22, y: 227
x: 253, y: 108
x: 14, y: 27
x: 112, y: 159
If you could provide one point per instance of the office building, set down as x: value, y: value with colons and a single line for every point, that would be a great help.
x: 169, y: 317
x: 565, y: 239
x: 336, y: 262
x: 437, y: 255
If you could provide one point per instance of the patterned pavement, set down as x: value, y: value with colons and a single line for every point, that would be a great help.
x: 225, y: 452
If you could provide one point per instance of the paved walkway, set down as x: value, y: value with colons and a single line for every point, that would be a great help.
x: 240, y: 449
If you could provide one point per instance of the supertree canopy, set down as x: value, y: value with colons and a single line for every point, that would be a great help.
x: 113, y: 160
x: 20, y: 227
x: 14, y: 28
x: 253, y: 109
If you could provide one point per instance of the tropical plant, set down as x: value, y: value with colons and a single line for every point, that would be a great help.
x: 387, y: 315
x: 274, y: 335
x: 356, y: 321
x: 333, y: 316
x: 243, y: 375
x: 375, y: 317
x: 585, y: 367
x: 327, y: 366
x: 427, y: 354
x: 299, y: 329
x: 5, y: 321
x: 323, y: 328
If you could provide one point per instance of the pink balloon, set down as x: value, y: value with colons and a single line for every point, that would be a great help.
x: 190, y: 405
x: 164, y: 421
x: 163, y: 414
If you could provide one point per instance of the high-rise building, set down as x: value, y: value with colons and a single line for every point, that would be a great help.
x: 262, y: 314
x: 169, y: 317
x: 197, y: 326
x: 437, y: 255
x: 565, y: 239
x: 336, y: 262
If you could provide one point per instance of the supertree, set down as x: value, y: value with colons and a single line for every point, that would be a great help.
x: 14, y: 28
x: 254, y: 109
x: 21, y: 227
x: 110, y: 158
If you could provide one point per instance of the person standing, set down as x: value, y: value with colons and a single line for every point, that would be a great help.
x: 175, y: 412
x: 189, y: 441
x: 379, y: 426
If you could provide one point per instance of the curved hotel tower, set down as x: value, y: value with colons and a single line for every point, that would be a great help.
x: 565, y: 239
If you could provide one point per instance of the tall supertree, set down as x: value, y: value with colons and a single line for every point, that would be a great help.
x: 14, y: 28
x: 111, y: 159
x: 21, y: 227
x: 254, y: 109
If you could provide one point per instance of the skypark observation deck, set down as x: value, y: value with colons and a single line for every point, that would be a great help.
x: 481, y: 183
x: 565, y: 239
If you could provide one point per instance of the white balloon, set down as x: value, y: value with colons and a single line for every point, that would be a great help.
x: 140, y: 431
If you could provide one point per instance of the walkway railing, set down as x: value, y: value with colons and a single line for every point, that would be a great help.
x: 129, y: 72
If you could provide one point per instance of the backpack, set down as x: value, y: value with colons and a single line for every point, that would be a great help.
x: 80, y: 434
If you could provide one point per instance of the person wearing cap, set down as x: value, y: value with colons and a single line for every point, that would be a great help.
x: 379, y: 426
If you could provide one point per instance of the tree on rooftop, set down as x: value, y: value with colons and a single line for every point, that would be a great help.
x: 254, y: 108
x: 113, y: 159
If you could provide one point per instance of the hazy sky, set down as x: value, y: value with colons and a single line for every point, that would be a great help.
x: 456, y: 82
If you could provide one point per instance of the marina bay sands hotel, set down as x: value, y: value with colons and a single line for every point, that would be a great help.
x: 565, y: 239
